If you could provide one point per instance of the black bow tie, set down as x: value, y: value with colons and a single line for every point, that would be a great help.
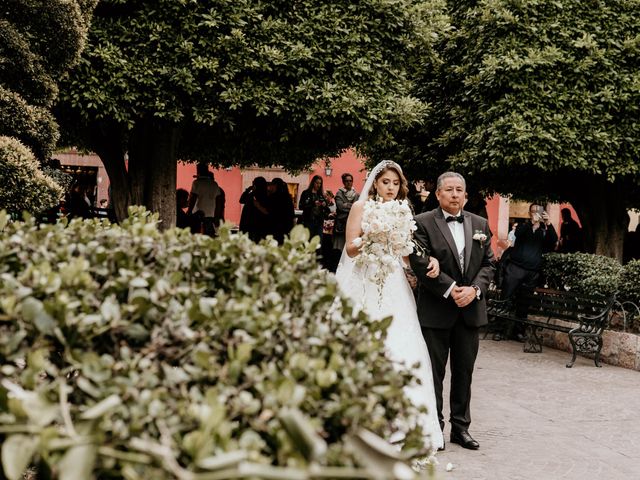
x: 453, y: 218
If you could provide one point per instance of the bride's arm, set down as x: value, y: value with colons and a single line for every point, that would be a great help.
x: 354, y: 228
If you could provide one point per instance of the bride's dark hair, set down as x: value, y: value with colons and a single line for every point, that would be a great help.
x: 404, y: 184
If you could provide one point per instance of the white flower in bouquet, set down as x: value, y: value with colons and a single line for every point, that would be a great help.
x: 387, y: 231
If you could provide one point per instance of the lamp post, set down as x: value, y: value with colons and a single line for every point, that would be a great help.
x: 327, y: 168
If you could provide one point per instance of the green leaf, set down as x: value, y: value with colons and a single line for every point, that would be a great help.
x: 17, y: 452
x: 102, y: 407
x: 33, y: 311
x: 77, y: 463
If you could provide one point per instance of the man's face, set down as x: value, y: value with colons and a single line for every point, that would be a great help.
x: 451, y: 195
x: 348, y: 182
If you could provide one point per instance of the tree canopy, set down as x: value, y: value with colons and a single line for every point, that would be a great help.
x: 539, y: 99
x: 240, y: 82
x: 39, y: 41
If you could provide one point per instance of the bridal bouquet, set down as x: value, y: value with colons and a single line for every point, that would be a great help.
x: 387, y: 229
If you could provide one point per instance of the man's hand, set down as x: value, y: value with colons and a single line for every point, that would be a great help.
x: 463, y: 296
x: 545, y: 218
x: 433, y: 269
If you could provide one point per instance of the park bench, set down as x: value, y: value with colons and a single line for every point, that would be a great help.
x: 559, y: 311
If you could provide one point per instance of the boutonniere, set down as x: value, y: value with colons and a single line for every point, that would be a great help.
x: 480, y: 237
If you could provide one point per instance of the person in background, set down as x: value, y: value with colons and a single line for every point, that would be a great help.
x: 511, y: 236
x: 204, y: 195
x: 77, y: 204
x: 570, y: 234
x: 476, y: 203
x: 182, y: 201
x: 218, y: 218
x: 328, y: 258
x: 345, y: 197
x: 522, y: 270
x: 254, y: 219
x: 421, y: 196
x: 314, y: 206
x: 281, y: 211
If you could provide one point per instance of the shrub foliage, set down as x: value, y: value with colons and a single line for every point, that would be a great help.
x: 582, y: 273
x: 132, y: 353
x: 597, y: 275
x: 629, y: 284
x: 24, y: 186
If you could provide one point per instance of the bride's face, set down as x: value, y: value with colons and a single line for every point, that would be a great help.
x: 388, y: 185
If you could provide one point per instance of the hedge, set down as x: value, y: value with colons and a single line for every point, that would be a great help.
x: 24, y: 187
x: 595, y: 274
x: 629, y: 282
x: 132, y: 353
x: 582, y: 273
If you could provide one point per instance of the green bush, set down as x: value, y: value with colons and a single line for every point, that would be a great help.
x: 582, y: 273
x: 34, y: 125
x: 629, y: 285
x: 132, y: 353
x: 24, y: 187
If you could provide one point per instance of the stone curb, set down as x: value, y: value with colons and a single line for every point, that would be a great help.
x: 621, y: 349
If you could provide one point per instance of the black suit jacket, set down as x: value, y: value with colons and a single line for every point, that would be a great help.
x: 435, y: 311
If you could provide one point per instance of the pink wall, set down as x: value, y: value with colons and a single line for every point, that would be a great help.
x: 232, y: 183
x: 234, y: 180
x: 229, y: 180
x: 348, y: 162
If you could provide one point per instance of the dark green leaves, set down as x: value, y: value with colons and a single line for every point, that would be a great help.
x: 125, y: 349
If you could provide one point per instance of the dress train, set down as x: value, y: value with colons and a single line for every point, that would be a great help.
x: 404, y: 341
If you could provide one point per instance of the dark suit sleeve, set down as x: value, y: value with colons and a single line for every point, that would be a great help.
x: 419, y: 263
x: 487, y: 266
x: 550, y: 239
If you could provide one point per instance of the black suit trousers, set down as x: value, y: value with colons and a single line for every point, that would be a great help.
x: 461, y: 343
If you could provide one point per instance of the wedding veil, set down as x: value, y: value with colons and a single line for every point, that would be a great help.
x: 371, y: 178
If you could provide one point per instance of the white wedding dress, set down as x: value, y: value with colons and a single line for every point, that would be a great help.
x: 404, y: 343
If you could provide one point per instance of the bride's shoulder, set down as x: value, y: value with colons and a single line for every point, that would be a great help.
x: 359, y: 205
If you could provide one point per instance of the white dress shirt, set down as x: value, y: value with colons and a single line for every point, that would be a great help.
x: 457, y: 231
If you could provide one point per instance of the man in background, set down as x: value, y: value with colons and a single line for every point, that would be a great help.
x: 204, y: 198
x: 522, y: 271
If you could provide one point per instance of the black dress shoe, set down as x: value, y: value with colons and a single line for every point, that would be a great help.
x: 441, y: 449
x: 464, y: 440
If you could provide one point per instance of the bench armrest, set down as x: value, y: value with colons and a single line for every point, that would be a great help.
x: 599, y: 320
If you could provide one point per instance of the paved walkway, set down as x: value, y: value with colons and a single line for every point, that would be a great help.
x: 536, y: 419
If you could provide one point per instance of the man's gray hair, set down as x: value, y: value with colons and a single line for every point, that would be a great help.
x: 442, y: 177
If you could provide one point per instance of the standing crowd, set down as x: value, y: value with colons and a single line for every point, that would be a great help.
x: 268, y: 210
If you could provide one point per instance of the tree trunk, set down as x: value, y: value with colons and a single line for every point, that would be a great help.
x: 109, y: 145
x: 601, y: 207
x: 153, y: 169
x: 148, y: 178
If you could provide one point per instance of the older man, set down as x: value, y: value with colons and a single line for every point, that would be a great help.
x: 451, y: 306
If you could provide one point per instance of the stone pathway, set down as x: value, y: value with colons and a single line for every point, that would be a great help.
x: 536, y: 419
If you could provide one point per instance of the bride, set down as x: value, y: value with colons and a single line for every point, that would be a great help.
x: 404, y: 341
